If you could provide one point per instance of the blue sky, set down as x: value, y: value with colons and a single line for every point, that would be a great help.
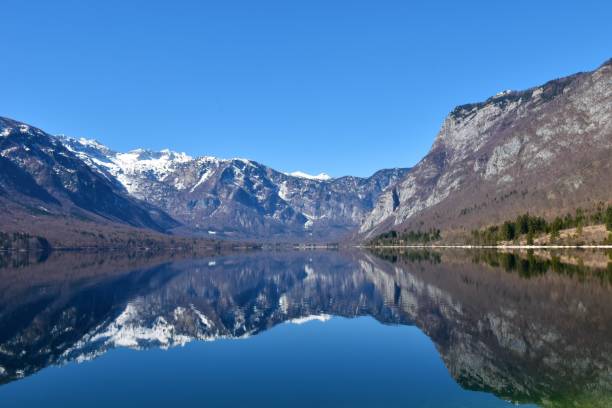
x: 345, y: 87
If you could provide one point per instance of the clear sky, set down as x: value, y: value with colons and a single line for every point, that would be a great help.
x: 342, y: 86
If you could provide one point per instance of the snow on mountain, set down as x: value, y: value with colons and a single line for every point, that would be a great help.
x: 310, y: 318
x: 126, y: 167
x: 320, y: 176
x: 37, y: 171
x: 238, y: 197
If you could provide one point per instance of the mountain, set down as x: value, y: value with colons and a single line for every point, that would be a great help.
x: 546, y: 150
x: 238, y: 198
x: 38, y: 175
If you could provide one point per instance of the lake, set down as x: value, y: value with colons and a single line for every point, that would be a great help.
x: 417, y: 328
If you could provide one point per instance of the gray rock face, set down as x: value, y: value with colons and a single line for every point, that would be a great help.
x: 544, y: 150
x: 237, y: 197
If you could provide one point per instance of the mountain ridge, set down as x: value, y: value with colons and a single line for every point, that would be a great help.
x: 545, y: 150
x: 172, y: 192
x: 39, y: 172
x: 239, y: 198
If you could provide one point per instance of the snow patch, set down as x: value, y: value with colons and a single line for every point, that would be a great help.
x: 306, y: 319
x: 502, y: 93
x: 205, y: 176
x: 283, y: 303
x: 318, y: 177
x: 283, y: 191
x: 125, y: 331
x: 309, y: 220
x: 205, y: 320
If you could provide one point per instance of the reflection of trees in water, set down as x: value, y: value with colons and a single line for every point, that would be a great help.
x: 411, y: 255
x: 522, y: 339
x: 20, y: 259
x: 546, y: 339
x: 530, y: 264
x: 527, y: 264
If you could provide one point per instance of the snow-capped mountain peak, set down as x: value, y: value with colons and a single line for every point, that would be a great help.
x: 147, y: 160
x: 237, y: 197
x: 319, y: 177
x: 91, y: 143
x: 126, y: 166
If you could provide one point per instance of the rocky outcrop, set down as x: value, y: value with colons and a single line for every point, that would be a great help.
x: 545, y: 150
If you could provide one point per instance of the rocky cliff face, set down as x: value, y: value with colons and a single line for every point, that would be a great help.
x: 237, y: 197
x: 544, y: 150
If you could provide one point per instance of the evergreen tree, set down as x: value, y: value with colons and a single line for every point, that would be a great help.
x: 556, y: 226
x: 508, y: 231
x: 522, y: 224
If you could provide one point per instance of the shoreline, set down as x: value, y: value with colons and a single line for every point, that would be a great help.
x: 491, y: 246
x: 300, y: 247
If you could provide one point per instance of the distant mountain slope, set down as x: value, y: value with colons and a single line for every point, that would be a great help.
x: 237, y: 197
x: 38, y: 174
x: 546, y: 150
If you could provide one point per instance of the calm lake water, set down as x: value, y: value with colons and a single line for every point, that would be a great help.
x: 307, y: 328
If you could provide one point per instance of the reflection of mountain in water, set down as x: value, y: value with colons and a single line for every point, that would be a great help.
x: 545, y: 339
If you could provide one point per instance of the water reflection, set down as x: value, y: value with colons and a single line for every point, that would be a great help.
x: 533, y: 327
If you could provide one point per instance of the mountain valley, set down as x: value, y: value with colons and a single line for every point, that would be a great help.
x: 546, y: 150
